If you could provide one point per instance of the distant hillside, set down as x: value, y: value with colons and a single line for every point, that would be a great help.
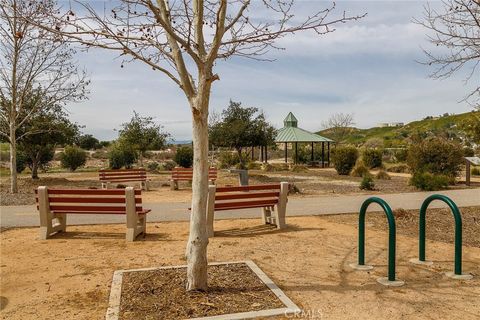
x: 397, y: 136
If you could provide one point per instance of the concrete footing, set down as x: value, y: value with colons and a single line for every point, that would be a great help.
x: 464, y: 276
x: 360, y: 267
x: 384, y: 281
x: 419, y: 262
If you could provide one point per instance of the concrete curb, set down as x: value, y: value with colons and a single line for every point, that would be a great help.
x: 113, y: 310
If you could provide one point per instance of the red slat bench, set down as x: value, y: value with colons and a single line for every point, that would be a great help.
x: 54, y: 205
x: 186, y: 174
x: 107, y: 176
x: 267, y: 197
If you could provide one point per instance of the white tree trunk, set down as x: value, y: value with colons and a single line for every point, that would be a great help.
x: 13, y: 159
x: 198, y: 239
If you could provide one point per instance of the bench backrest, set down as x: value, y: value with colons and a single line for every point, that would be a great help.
x: 255, y: 196
x: 120, y: 175
x: 186, y: 174
x: 90, y: 200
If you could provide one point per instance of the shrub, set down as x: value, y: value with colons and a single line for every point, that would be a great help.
x: 100, y: 154
x: 184, y: 157
x: 228, y: 159
x: 254, y: 166
x: 73, y: 157
x: 401, y: 168
x: 267, y: 167
x: 430, y: 182
x: 360, y: 170
x: 401, y: 155
x: 475, y: 171
x: 372, y: 158
x: 153, y: 166
x: 22, y: 162
x: 436, y: 156
x: 121, y: 156
x: 169, y: 165
x: 344, y: 159
x: 383, y: 175
x: 367, y: 183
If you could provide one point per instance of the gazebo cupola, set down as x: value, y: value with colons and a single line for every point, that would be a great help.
x: 290, y: 121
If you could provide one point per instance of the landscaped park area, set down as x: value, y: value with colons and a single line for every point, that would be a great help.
x: 135, y: 185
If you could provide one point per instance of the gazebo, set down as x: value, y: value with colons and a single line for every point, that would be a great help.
x: 291, y: 133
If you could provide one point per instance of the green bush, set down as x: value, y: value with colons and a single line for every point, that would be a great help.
x: 228, y: 159
x: 344, y: 159
x: 254, y: 165
x: 184, y: 157
x: 372, y: 158
x: 436, y: 156
x: 359, y: 170
x: 153, y: 166
x: 475, y: 171
x: 121, y: 156
x: 383, y: 175
x: 430, y: 182
x: 73, y: 157
x: 401, y: 155
x: 169, y: 165
x: 367, y: 183
x: 4, y: 155
x: 22, y: 162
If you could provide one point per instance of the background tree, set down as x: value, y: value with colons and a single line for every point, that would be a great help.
x: 184, y: 40
x: 455, y: 28
x: 73, y: 157
x: 143, y: 134
x: 47, y: 130
x: 239, y: 127
x: 339, y: 126
x: 88, y: 142
x: 36, y: 69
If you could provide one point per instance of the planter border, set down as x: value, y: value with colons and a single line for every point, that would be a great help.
x: 113, y: 310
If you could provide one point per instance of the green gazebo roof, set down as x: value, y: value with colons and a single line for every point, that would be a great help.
x: 291, y: 133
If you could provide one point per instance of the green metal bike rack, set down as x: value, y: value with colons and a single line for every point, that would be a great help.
x: 391, y: 240
x: 458, y: 233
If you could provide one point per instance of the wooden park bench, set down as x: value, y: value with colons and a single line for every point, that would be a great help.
x: 55, y: 204
x: 186, y: 174
x: 267, y: 197
x: 124, y: 175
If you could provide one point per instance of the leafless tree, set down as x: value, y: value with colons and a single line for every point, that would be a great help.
x: 36, y: 70
x: 455, y: 27
x: 339, y: 126
x: 184, y: 40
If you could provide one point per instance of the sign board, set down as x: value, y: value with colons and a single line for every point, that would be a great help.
x: 473, y: 160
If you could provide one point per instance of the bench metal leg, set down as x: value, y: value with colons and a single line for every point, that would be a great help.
x: 145, y: 185
x: 173, y: 185
x: 267, y: 215
x: 106, y: 185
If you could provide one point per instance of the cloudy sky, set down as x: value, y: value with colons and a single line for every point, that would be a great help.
x: 367, y: 68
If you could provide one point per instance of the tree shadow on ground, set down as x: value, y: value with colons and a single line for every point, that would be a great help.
x: 82, y: 235
x: 261, y: 230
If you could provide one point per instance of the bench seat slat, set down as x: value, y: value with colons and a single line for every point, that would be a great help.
x: 249, y: 188
x: 123, y: 179
x: 99, y: 192
x: 246, y: 204
x: 144, y: 211
x: 91, y: 208
x: 246, y: 195
x: 90, y: 200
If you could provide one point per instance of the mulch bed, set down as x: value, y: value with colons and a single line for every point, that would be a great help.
x: 439, y: 223
x: 161, y: 294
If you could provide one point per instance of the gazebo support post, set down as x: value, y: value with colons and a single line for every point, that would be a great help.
x: 286, y: 152
x: 266, y: 154
x: 261, y: 153
x: 328, y: 154
x: 253, y: 153
x: 296, y: 153
x: 313, y: 156
x: 323, y: 154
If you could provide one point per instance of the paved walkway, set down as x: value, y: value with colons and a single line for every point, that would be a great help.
x: 27, y: 215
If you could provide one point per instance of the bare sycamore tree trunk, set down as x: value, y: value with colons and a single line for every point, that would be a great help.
x: 13, y: 159
x: 198, y: 239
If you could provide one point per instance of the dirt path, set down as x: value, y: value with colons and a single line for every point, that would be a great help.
x: 68, y: 277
